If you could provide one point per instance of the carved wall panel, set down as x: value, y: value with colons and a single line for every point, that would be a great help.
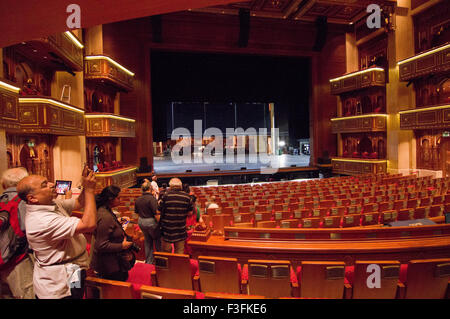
x: 34, y: 152
x: 98, y: 98
x: 364, y: 145
x: 432, y: 27
x: 429, y: 149
x: 432, y: 91
x: 101, y: 150
x: 371, y: 100
x: 30, y: 76
x: 374, y: 53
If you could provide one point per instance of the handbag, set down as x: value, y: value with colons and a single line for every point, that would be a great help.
x: 127, y: 258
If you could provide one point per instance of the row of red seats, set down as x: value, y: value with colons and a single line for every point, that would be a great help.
x: 179, y: 276
x: 106, y: 166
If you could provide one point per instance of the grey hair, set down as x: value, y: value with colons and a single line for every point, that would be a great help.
x: 11, y: 177
x: 175, y: 183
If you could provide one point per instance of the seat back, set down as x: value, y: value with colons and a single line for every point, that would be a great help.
x: 173, y: 270
x: 289, y: 223
x: 150, y: 292
x: 244, y: 217
x: 262, y: 216
x: 97, y: 288
x: 270, y: 278
x: 331, y: 222
x: 310, y: 222
x: 351, y: 220
x: 369, y: 219
x: 389, y: 275
x: 427, y: 278
x: 221, y: 221
x: 219, y: 274
x: 322, y: 279
x: 266, y: 224
x: 219, y: 295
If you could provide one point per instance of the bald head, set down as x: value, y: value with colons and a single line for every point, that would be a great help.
x: 36, y: 190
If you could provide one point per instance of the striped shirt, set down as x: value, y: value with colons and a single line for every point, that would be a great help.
x: 174, y: 207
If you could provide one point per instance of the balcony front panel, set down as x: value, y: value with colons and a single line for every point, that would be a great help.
x: 108, y: 125
x: 49, y: 116
x: 9, y: 107
x: 102, y: 70
x: 125, y: 177
x: 425, y: 118
x: 57, y: 52
x: 358, y: 80
x: 430, y: 62
x: 355, y: 124
x: 355, y: 166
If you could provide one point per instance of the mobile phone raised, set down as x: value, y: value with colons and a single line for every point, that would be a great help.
x: 62, y: 186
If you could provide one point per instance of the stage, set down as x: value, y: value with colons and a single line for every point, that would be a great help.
x: 252, y: 169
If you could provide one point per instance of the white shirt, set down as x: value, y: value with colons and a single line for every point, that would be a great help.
x: 155, y: 188
x: 51, y: 234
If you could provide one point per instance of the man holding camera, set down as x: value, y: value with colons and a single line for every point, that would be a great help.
x: 56, y: 237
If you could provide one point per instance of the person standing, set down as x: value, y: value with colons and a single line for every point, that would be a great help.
x: 110, y: 239
x: 17, y: 271
x: 146, y: 207
x: 174, y: 207
x: 56, y: 237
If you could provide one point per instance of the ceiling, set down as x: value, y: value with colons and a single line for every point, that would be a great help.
x: 336, y: 11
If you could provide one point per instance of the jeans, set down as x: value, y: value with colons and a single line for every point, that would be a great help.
x: 152, y: 235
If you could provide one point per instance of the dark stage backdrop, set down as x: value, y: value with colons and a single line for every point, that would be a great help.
x: 209, y: 86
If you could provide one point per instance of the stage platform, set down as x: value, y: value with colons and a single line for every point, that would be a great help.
x: 290, y: 167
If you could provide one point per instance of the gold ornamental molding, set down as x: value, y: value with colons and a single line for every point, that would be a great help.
x: 46, y: 115
x: 356, y: 166
x: 9, y: 104
x: 425, y: 118
x: 432, y: 61
x: 359, y: 123
x: 109, y: 125
x: 358, y: 80
x: 101, y: 68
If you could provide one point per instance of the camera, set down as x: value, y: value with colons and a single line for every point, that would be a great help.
x: 134, y: 247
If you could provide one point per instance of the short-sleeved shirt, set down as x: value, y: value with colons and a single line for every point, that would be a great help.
x: 146, y: 206
x: 174, y: 207
x: 51, y: 234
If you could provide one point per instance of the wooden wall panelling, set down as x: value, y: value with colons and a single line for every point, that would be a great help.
x: 431, y: 27
x: 30, y: 76
x: 429, y: 143
x: 34, y: 152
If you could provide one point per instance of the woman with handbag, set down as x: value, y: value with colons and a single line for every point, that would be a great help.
x: 111, y: 257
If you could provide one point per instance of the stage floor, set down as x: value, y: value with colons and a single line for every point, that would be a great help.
x: 165, y: 165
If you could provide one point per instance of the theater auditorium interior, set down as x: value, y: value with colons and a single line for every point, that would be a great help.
x: 321, y: 128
